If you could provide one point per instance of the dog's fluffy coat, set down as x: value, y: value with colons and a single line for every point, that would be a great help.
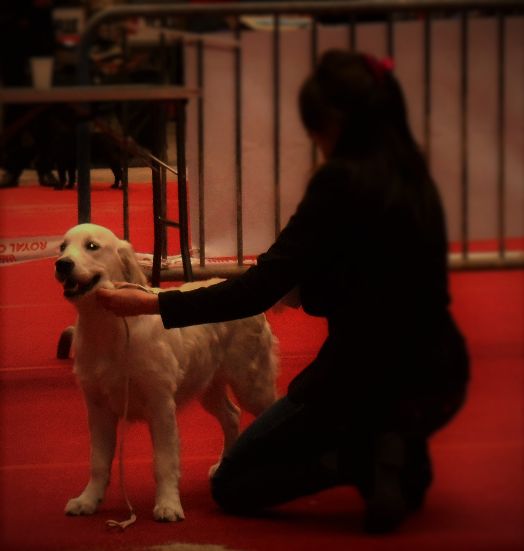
x: 164, y: 368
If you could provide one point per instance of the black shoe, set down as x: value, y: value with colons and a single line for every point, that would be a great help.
x: 9, y: 179
x: 48, y: 179
x: 386, y: 505
x: 418, y: 473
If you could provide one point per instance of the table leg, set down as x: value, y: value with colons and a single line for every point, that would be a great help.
x: 182, y: 188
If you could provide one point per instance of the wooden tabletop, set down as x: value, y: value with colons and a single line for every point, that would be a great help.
x: 97, y: 93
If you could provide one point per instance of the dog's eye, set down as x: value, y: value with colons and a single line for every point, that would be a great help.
x: 92, y: 246
x: 62, y: 247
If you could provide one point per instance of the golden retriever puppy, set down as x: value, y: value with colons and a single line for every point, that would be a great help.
x: 135, y: 365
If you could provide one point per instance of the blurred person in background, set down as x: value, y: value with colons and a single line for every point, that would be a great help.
x: 26, y: 30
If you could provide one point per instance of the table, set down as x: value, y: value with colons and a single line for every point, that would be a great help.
x: 85, y: 95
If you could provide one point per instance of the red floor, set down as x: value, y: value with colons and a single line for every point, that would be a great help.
x: 476, y: 503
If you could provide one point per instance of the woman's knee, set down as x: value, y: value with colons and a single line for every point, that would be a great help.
x: 229, y: 492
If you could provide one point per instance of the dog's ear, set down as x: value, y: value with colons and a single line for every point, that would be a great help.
x: 132, y: 271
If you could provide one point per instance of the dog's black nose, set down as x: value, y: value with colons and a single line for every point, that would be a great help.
x: 64, y: 266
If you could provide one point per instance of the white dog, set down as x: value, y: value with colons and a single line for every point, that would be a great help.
x: 154, y: 370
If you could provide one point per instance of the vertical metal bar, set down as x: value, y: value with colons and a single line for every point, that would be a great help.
x: 501, y: 130
x: 200, y: 139
x: 314, y: 59
x: 158, y: 225
x: 238, y: 144
x: 427, y: 87
x: 180, y: 138
x: 158, y: 173
x: 276, y: 120
x: 125, y: 171
x: 83, y: 141
x: 83, y: 147
x: 182, y: 188
x: 163, y: 177
x: 162, y: 154
x: 157, y: 228
x: 125, y: 154
x: 464, y: 199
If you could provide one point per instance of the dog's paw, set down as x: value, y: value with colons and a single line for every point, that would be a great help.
x: 80, y: 506
x: 169, y: 511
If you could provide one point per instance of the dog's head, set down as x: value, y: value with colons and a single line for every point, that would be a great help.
x: 92, y: 256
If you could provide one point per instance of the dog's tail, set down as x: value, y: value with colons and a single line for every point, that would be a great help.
x: 253, y: 377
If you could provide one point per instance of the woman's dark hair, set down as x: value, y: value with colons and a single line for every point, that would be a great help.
x: 359, y: 96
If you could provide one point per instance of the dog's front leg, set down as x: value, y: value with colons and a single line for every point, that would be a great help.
x: 164, y: 435
x: 102, y: 427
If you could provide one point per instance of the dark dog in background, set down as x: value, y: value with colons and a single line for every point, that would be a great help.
x: 105, y: 150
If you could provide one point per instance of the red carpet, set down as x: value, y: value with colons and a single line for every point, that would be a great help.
x: 34, y: 211
x: 476, y: 503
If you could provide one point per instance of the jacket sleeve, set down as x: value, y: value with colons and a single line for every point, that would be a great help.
x: 277, y: 271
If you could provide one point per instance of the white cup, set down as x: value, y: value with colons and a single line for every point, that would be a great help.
x: 42, y: 72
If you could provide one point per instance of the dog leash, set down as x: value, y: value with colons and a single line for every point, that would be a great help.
x: 122, y: 525
x: 132, y: 515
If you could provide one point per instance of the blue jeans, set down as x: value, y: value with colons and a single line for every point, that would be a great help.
x: 291, y: 450
x: 284, y: 454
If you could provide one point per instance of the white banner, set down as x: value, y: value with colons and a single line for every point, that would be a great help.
x: 14, y: 250
x: 258, y: 163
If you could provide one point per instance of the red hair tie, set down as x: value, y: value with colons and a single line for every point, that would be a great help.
x: 379, y: 67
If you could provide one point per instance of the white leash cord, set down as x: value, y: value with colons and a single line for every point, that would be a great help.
x: 132, y: 516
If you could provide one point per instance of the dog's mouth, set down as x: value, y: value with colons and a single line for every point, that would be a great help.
x: 75, y: 289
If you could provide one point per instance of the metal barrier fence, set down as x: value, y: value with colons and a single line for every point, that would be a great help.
x: 390, y: 13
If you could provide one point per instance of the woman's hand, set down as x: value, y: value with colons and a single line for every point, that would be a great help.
x: 128, y: 302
